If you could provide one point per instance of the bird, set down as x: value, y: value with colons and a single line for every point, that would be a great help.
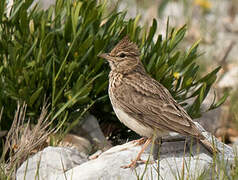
x: 142, y: 103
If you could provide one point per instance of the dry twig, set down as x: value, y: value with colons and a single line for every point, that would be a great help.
x: 22, y: 140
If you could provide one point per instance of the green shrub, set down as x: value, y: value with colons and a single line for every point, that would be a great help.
x: 53, y: 54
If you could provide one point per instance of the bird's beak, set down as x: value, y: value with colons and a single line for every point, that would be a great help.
x: 105, y: 56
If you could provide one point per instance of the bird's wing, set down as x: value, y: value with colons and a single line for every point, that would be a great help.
x: 152, y: 104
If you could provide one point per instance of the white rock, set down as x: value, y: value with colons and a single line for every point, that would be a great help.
x: 50, y: 161
x: 172, y: 162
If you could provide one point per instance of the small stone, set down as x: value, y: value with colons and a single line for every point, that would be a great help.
x: 80, y: 143
x: 91, y: 130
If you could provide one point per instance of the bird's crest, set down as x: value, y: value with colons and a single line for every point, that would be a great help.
x: 126, y: 46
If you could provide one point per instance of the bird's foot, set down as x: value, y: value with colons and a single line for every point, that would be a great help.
x: 145, y: 142
x: 135, y: 162
x: 139, y: 141
x: 132, y: 165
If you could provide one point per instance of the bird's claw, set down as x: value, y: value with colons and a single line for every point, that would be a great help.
x: 134, y: 163
x: 139, y: 141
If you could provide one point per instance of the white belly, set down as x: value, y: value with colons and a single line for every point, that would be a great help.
x: 135, y: 125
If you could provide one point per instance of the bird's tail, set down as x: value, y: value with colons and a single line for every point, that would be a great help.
x: 209, y: 146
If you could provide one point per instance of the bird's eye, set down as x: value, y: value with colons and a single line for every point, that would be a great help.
x: 122, y: 55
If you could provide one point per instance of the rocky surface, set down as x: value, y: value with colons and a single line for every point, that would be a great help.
x: 170, y: 161
x: 49, y: 162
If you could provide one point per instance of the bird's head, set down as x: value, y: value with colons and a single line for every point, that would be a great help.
x: 124, y: 56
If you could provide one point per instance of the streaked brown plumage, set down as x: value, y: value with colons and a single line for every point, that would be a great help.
x: 142, y: 103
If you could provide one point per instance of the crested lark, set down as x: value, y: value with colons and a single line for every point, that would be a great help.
x: 142, y: 103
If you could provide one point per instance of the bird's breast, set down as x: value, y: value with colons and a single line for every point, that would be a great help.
x: 130, y: 122
x: 115, y: 79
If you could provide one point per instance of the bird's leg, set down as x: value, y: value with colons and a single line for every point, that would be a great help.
x: 140, y: 141
x: 133, y: 163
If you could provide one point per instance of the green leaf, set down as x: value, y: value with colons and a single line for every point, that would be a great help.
x: 177, y: 36
x: 151, y: 62
x: 157, y: 47
x: 135, y: 26
x: 65, y: 58
x: 80, y: 82
x: 63, y: 88
x: 26, y: 77
x: 202, y: 93
x: 2, y: 9
x: 191, y: 55
x: 174, y: 58
x: 75, y: 97
x: 209, y: 76
x: 16, y: 10
x: 220, y: 102
x: 24, y: 22
x: 68, y: 29
x: 31, y: 49
x: 152, y: 32
x: 58, y: 6
x: 101, y: 87
x: 1, y: 69
x: 160, y: 73
x: 35, y: 95
x: 189, y: 75
x: 75, y: 15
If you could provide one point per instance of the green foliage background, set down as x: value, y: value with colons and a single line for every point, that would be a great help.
x: 52, y: 55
